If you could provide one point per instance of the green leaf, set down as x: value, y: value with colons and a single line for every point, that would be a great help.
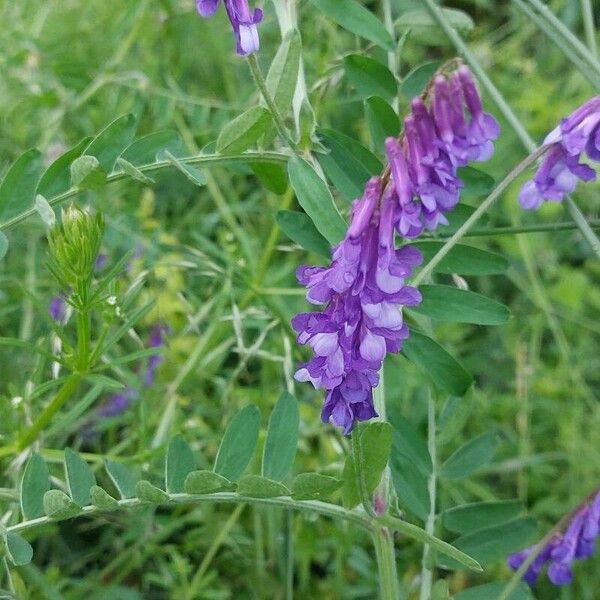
x: 369, y: 77
x: 123, y: 478
x: 382, y: 120
x: 479, y: 515
x: 440, y: 590
x: 477, y: 183
x: 349, y: 165
x: 57, y: 177
x: 207, y: 482
x: 375, y: 441
x: 102, y: 499
x: 45, y: 211
x: 354, y: 17
x: 451, y: 304
x: 192, y: 173
x: 17, y: 189
x: 408, y: 441
x: 422, y: 25
x: 283, y: 73
x: 238, y: 444
x: 464, y: 260
x: 282, y: 438
x: 474, y: 455
x: 492, y: 591
x: 300, y: 229
x: 145, y: 150
x: 180, y: 463
x: 18, y: 549
x: 273, y: 177
x: 443, y: 369
x: 3, y: 244
x: 87, y: 173
x: 255, y: 486
x: 409, y: 481
x: 454, y: 417
x: 34, y: 484
x: 80, y: 478
x: 57, y: 505
x: 415, y: 82
x: 147, y: 492
x: 111, y: 141
x: 133, y: 171
x: 494, y: 543
x: 316, y: 200
x: 314, y: 486
x: 244, y: 131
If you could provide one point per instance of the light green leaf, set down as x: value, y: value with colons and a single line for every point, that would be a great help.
x: 448, y: 303
x: 180, y: 463
x: 207, y: 482
x: 192, y: 173
x: 87, y: 173
x: 422, y: 25
x: 443, y: 369
x: 144, y: 151
x: 472, y: 456
x: 300, y: 229
x: 133, y: 171
x: 45, y: 211
x: 17, y: 189
x: 283, y: 73
x: 102, y: 499
x: 147, y: 492
x: 354, y: 17
x: 57, y: 177
x: 244, y: 131
x: 415, y: 82
x: 111, y: 141
x: 123, y: 478
x: 282, y: 438
x: 479, y: 515
x: 80, y: 477
x: 314, y: 486
x: 57, y: 505
x: 383, y: 122
x: 34, y: 484
x: 369, y: 77
x: 238, y: 444
x: 316, y: 200
x: 19, y: 550
x: 255, y: 486
x: 3, y: 244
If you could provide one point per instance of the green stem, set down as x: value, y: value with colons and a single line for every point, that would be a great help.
x: 588, y: 24
x: 83, y: 339
x: 584, y: 226
x: 270, y: 102
x: 383, y: 540
x: 481, y: 209
x: 361, y: 482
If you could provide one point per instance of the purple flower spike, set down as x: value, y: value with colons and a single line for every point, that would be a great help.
x: 58, y: 309
x: 242, y: 20
x: 562, y: 168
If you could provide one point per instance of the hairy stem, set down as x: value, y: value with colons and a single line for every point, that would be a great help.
x: 383, y: 541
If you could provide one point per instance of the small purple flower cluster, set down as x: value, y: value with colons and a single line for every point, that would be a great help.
x: 364, y: 289
x: 561, y: 169
x: 577, y: 542
x: 243, y: 22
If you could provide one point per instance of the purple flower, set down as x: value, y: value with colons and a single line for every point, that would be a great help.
x: 562, y: 168
x: 243, y: 22
x: 578, y: 542
x: 118, y: 403
x: 57, y: 309
x: 156, y: 340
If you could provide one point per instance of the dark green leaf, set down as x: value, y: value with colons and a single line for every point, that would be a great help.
x: 354, y: 17
x: 34, y: 484
x: 369, y: 77
x: 207, y: 482
x: 448, y: 303
x: 273, y: 177
x: 102, y: 499
x: 144, y: 151
x: 444, y: 370
x: 180, y: 462
x: 244, y: 131
x: 409, y: 482
x: 464, y: 260
x: 57, y: 177
x: 316, y: 200
x: 87, y: 173
x: 238, y: 444
x: 408, y: 441
x: 492, y: 591
x: 282, y: 438
x: 111, y: 141
x: 147, y: 492
x: 123, y: 478
x: 255, y: 486
x: 283, y: 73
x: 57, y: 505
x: 314, y: 486
x: 474, y: 455
x: 300, y: 229
x: 18, y: 549
x: 80, y: 478
x: 133, y: 171
x: 477, y: 183
x: 454, y: 417
x: 192, y: 173
x: 382, y: 120
x: 17, y: 189
x: 416, y: 81
x: 478, y: 515
x: 422, y: 25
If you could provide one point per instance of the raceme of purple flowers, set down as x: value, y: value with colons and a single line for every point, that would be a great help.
x: 243, y: 21
x: 562, y: 168
x: 364, y: 289
x: 560, y: 552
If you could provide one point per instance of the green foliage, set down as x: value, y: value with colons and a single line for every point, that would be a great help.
x: 282, y: 438
x: 80, y: 478
x: 179, y: 464
x: 474, y: 455
x: 244, y: 131
x: 300, y: 229
x: 34, y: 484
x: 369, y: 77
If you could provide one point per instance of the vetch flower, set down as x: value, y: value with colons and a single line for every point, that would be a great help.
x: 156, y: 340
x: 562, y: 169
x: 561, y: 551
x: 57, y: 308
x: 243, y: 21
